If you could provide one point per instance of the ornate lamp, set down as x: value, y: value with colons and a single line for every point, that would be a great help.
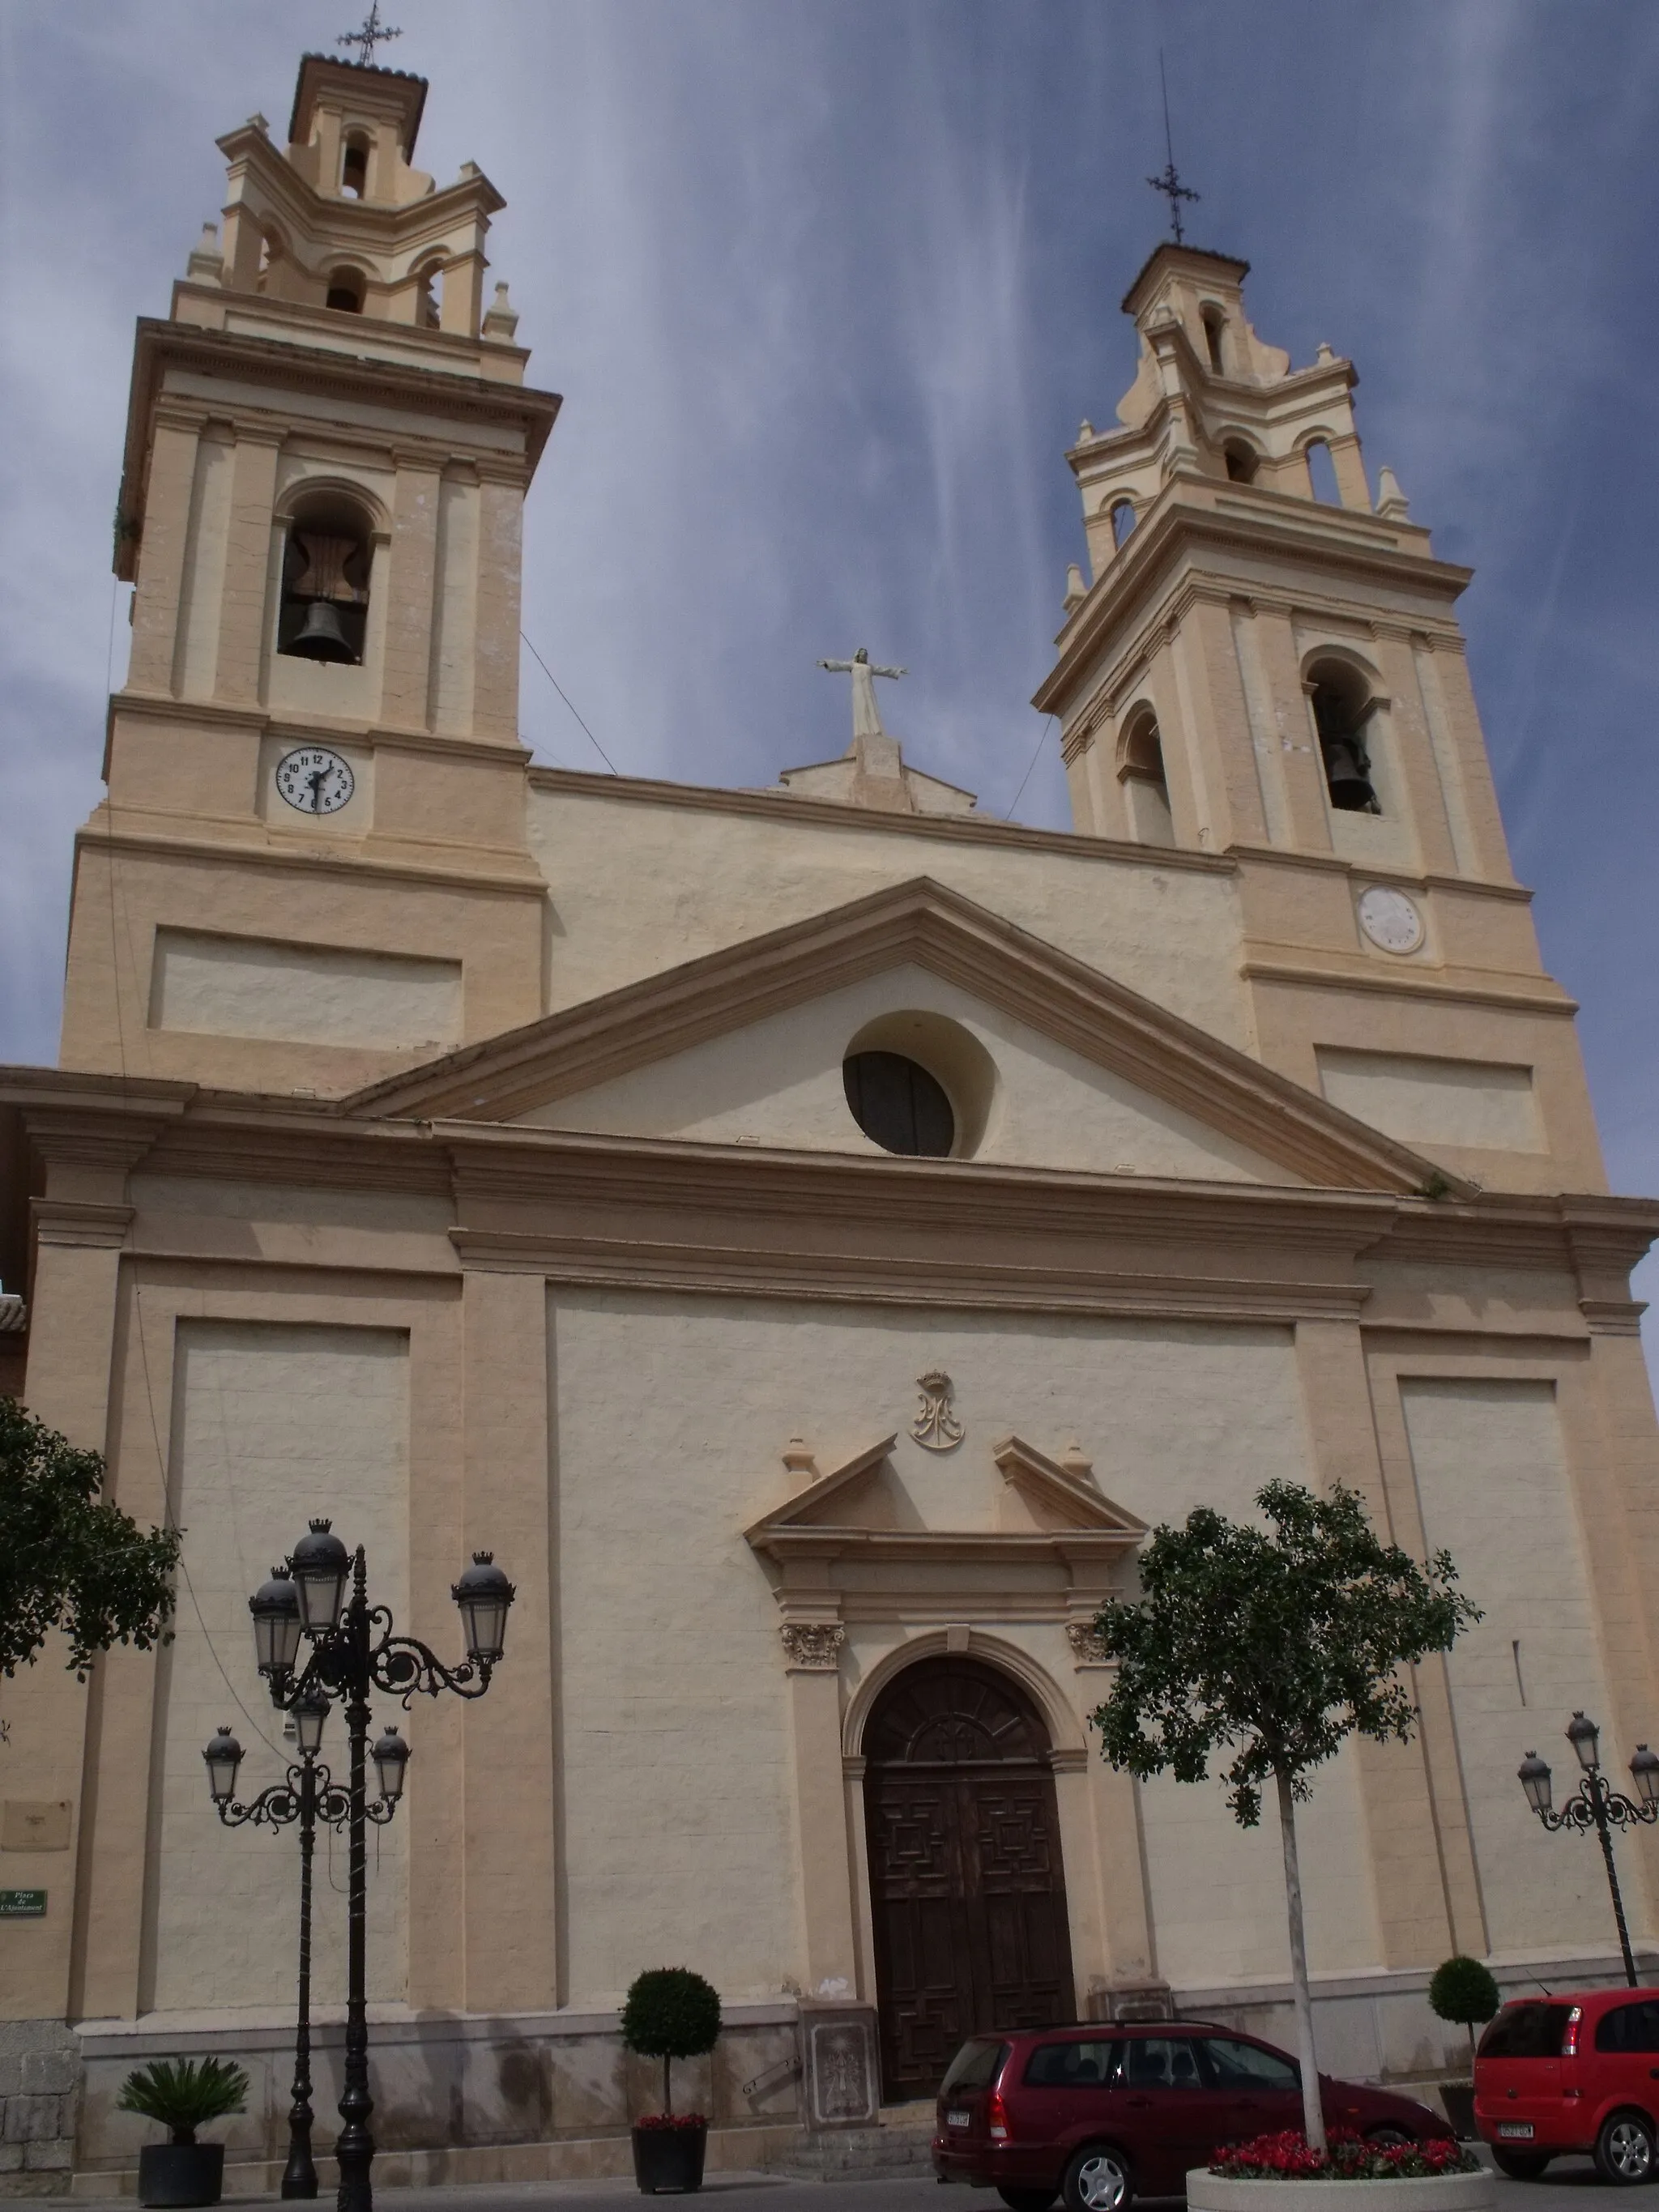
x: 223, y: 1756
x: 1645, y: 1773
x: 484, y: 1594
x: 1534, y: 1779
x: 274, y: 1607
x: 1584, y: 1737
x: 321, y: 1564
x: 310, y: 1709
x: 391, y: 1755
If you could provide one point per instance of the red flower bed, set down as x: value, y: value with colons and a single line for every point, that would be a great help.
x: 1290, y: 2157
x: 682, y: 2120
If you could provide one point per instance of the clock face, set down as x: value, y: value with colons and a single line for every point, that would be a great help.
x: 1390, y: 919
x: 314, y: 779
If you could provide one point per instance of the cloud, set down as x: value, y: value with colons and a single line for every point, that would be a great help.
x: 827, y: 288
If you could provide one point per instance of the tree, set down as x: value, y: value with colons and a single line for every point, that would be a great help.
x: 1273, y: 1647
x: 671, y: 2013
x: 69, y: 1559
x: 1464, y: 1991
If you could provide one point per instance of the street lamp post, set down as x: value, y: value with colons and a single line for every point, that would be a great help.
x: 1596, y: 1804
x: 354, y: 1652
x: 307, y: 1793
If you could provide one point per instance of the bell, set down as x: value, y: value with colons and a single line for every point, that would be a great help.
x: 1346, y: 774
x: 321, y: 637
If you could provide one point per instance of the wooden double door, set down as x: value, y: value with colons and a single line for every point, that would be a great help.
x: 968, y: 1893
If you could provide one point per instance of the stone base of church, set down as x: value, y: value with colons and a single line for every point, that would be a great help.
x: 39, y: 2079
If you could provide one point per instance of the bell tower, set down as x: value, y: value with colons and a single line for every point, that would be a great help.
x: 312, y: 865
x: 1265, y: 664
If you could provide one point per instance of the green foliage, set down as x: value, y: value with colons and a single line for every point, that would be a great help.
x: 184, y: 2093
x: 1464, y: 1991
x: 1272, y: 1646
x: 671, y: 2013
x: 69, y: 1559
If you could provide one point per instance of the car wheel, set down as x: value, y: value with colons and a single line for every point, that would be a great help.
x: 1519, y: 2165
x: 1624, y: 2149
x: 1098, y: 2180
x: 1383, y: 2137
x: 1027, y: 2200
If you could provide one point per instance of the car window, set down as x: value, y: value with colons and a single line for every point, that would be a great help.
x: 1092, y: 2065
x: 1526, y: 2030
x: 1629, y: 2027
x: 975, y: 2066
x: 1247, y: 2065
x: 1161, y: 2062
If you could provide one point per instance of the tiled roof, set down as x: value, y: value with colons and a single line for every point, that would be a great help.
x: 13, y: 1314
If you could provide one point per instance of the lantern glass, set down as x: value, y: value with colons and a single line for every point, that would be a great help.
x: 1535, y: 1780
x: 1585, y: 1737
x: 274, y: 1607
x: 223, y: 1756
x: 309, y: 1713
x: 391, y: 1755
x: 484, y: 1594
x: 1645, y: 1773
x: 321, y: 1564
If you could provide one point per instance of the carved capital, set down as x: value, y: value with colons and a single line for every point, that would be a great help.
x: 812, y: 1647
x: 1087, y: 1650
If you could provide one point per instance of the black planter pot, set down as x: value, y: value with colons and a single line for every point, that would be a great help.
x: 665, y: 2159
x: 1458, y: 2097
x: 180, y: 2174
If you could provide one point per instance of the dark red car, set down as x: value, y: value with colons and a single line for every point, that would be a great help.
x: 1101, y: 2115
x: 1577, y: 2071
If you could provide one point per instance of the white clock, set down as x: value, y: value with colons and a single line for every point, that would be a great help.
x: 1390, y: 919
x: 314, y: 779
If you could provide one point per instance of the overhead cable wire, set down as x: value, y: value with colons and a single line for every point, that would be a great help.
x: 565, y: 695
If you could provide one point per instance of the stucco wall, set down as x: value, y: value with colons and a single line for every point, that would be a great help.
x: 251, y: 987
x: 272, y: 1425
x: 676, y: 1785
x: 699, y: 879
x: 1492, y: 1480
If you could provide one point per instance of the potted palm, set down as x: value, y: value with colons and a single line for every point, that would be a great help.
x: 669, y: 2013
x: 1463, y: 1990
x: 183, y: 2094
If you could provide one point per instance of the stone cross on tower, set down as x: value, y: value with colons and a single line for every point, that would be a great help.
x: 866, y: 716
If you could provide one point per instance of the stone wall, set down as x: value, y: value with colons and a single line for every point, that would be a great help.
x: 39, y: 2090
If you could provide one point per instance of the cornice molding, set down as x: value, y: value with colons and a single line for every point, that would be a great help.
x: 100, y: 835
x: 504, y: 753
x: 1405, y: 983
x: 435, y: 392
x: 79, y: 1222
x: 1101, y: 1020
x: 828, y: 814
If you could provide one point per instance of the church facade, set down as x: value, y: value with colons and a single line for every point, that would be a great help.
x: 809, y: 1234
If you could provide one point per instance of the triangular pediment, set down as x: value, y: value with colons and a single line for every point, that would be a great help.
x: 860, y: 1502
x: 1168, y: 1099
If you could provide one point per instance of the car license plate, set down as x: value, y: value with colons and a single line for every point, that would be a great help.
x: 964, y: 2120
x: 1520, y: 2128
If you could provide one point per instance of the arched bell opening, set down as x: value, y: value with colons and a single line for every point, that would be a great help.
x: 967, y: 1888
x: 323, y: 614
x: 1343, y: 706
x: 1145, y: 783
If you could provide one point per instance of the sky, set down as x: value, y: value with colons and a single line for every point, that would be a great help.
x: 828, y: 286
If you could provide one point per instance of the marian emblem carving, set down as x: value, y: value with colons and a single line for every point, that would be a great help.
x: 936, y: 1427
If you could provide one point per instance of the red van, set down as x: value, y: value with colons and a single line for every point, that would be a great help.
x: 1576, y: 2071
x: 1102, y: 2114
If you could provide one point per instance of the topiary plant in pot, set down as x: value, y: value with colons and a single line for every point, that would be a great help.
x: 669, y: 2013
x: 1464, y: 1991
x: 183, y: 2094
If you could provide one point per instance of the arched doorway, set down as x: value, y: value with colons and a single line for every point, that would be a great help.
x: 967, y: 1891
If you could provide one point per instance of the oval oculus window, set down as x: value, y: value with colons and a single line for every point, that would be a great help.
x: 898, y: 1105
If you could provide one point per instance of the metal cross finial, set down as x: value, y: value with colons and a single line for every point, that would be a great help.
x: 1170, y: 183
x: 373, y: 34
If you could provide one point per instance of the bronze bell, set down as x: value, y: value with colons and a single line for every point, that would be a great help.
x: 321, y: 637
x: 1346, y: 772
